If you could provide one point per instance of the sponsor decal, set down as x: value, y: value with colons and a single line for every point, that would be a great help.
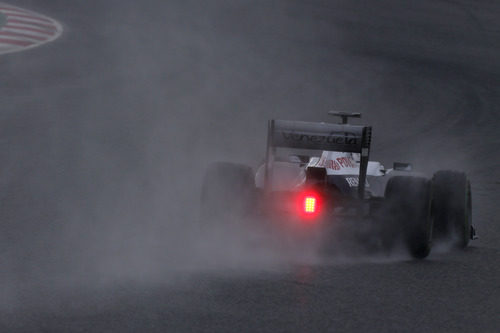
x: 354, y: 182
x: 345, y: 138
x: 336, y: 164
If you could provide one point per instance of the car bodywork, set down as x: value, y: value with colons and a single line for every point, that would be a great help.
x: 317, y: 177
x: 337, y: 163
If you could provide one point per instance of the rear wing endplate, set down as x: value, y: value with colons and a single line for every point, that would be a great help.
x: 318, y: 136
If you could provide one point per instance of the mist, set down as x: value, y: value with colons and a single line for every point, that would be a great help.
x: 107, y: 149
x: 104, y: 150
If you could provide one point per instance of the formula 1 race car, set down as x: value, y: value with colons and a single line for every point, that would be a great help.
x: 317, y: 177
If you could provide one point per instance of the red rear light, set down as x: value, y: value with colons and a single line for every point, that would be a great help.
x: 310, y: 203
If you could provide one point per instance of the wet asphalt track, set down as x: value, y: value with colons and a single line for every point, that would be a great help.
x: 102, y: 134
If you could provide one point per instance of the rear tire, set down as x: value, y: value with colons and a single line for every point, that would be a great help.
x: 409, y: 199
x: 228, y: 191
x: 452, y: 207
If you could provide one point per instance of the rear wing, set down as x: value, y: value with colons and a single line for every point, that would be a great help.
x: 318, y: 136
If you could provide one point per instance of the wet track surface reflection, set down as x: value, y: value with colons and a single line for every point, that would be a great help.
x: 303, y: 297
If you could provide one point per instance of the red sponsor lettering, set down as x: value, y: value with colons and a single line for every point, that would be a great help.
x: 345, y: 162
x: 331, y: 164
x: 336, y: 164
